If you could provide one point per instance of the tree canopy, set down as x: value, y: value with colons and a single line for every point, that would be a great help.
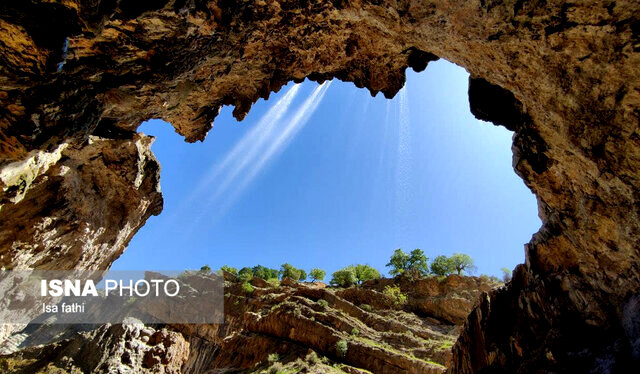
x: 442, y: 266
x: 345, y: 277
x: 317, y: 274
x: 414, y: 264
x: 398, y: 263
x: 418, y: 263
x: 289, y: 271
x: 302, y: 274
x: 462, y: 262
x: 265, y: 273
x: 365, y: 273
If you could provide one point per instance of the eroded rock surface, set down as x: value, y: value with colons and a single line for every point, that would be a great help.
x: 127, y: 349
x: 300, y: 324
x: 564, y: 76
x: 77, y: 206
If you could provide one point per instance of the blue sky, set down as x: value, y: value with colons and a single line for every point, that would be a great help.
x: 327, y: 176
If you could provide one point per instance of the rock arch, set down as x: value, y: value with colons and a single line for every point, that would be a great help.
x: 78, y: 78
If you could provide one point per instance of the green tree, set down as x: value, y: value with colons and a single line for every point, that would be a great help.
x: 506, y: 274
x: 205, y: 269
x: 303, y: 275
x: 245, y: 274
x: 289, y: 271
x: 247, y: 287
x: 462, y: 262
x: 365, y: 273
x: 399, y: 262
x: 229, y: 269
x: 418, y: 263
x: 317, y: 274
x: 265, y: 273
x: 344, y: 277
x: 442, y: 266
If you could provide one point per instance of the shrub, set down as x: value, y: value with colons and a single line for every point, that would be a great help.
x: 355, y: 332
x: 395, y: 294
x: 245, y: 274
x: 205, y: 269
x: 274, y: 357
x: 312, y: 358
x: 229, y: 269
x: 484, y: 277
x: 301, y: 366
x: 323, y: 303
x: 247, y: 287
x: 366, y: 307
x: 341, y: 348
x: 276, y: 368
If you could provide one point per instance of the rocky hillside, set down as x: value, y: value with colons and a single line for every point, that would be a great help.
x: 286, y: 328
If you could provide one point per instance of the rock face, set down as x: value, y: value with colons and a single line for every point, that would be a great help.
x: 294, y: 320
x: 78, y: 205
x: 448, y: 300
x: 565, y: 77
x: 127, y: 349
x: 300, y: 323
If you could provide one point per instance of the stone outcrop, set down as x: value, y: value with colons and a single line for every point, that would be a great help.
x: 128, y: 348
x: 77, y: 206
x: 447, y: 300
x: 293, y: 320
x: 300, y: 323
x: 564, y: 76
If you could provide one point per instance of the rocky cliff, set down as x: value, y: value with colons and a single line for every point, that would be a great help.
x: 128, y: 348
x: 287, y: 328
x: 564, y: 76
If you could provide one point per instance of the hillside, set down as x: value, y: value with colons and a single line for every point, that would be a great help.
x: 290, y: 328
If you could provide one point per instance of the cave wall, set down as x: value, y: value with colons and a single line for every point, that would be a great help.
x: 564, y: 76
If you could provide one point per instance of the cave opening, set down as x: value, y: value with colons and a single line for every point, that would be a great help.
x: 327, y: 176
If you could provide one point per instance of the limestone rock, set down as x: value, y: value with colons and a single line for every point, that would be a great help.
x: 301, y: 324
x: 564, y: 76
x: 78, y: 206
x: 127, y: 348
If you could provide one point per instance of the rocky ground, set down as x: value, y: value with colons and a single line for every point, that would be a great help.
x: 288, y: 328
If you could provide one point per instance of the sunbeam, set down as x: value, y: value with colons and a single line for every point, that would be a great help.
x: 282, y: 139
x: 403, y: 157
x: 247, y: 149
x: 228, y: 179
